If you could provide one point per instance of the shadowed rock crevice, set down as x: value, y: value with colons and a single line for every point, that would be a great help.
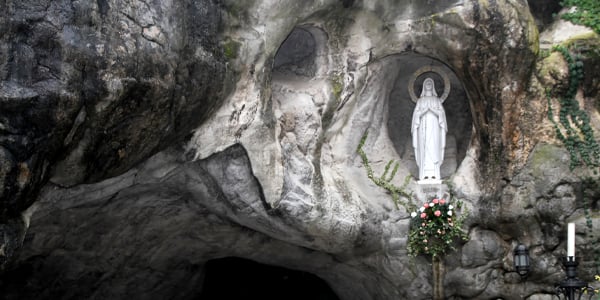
x: 544, y: 11
x: 237, y: 278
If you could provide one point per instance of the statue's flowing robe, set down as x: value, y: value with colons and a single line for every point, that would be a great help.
x: 429, y: 136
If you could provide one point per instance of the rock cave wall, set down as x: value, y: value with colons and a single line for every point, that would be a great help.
x: 191, y: 132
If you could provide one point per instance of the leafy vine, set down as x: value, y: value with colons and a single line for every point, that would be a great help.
x: 574, y: 129
x: 384, y: 180
x: 587, y: 13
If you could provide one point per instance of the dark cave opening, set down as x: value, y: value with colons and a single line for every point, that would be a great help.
x: 238, y: 278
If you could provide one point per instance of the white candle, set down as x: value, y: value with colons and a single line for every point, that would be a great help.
x: 571, y: 241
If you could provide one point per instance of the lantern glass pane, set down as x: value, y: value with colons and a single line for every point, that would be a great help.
x: 522, y: 260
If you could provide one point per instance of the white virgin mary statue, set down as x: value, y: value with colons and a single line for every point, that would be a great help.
x: 429, y: 133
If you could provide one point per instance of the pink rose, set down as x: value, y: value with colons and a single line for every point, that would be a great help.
x: 442, y: 201
x: 426, y: 205
x: 436, y: 201
x: 423, y: 215
x: 437, y: 213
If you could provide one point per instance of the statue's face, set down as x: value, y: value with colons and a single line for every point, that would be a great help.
x: 428, y: 85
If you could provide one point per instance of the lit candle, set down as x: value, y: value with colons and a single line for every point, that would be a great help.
x: 571, y: 241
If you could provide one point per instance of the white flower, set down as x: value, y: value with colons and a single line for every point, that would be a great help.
x: 413, y: 214
x: 422, y: 209
x: 450, y: 206
x: 431, y: 204
x: 450, y: 213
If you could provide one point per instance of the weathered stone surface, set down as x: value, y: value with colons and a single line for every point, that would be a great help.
x: 272, y: 173
x: 90, y: 89
x: 561, y: 31
x: 125, y: 69
x: 485, y: 246
x: 122, y: 237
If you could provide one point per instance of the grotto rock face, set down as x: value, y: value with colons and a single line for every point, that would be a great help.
x: 90, y: 89
x: 142, y: 139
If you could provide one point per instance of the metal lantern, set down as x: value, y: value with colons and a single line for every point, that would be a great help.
x: 521, y: 260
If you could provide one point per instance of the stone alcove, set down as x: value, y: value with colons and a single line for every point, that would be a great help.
x: 300, y: 92
x: 400, y: 109
x: 300, y: 53
x: 299, y: 80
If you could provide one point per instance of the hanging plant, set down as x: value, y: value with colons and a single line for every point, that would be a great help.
x: 585, y: 12
x: 574, y: 128
x: 435, y: 228
x: 385, y: 181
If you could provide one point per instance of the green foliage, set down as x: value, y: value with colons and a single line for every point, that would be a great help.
x: 574, y: 128
x: 586, y: 12
x: 231, y: 49
x: 435, y: 228
x: 544, y: 53
x: 337, y: 86
x: 576, y: 133
x: 385, y: 181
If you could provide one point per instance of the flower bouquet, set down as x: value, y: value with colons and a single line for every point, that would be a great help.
x: 434, y: 228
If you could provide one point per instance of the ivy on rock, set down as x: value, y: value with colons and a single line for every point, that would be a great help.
x: 573, y: 128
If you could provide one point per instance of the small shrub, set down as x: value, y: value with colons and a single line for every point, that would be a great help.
x: 435, y: 228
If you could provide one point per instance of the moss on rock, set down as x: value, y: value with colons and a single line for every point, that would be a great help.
x: 231, y: 49
x: 547, y: 156
x: 553, y: 71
